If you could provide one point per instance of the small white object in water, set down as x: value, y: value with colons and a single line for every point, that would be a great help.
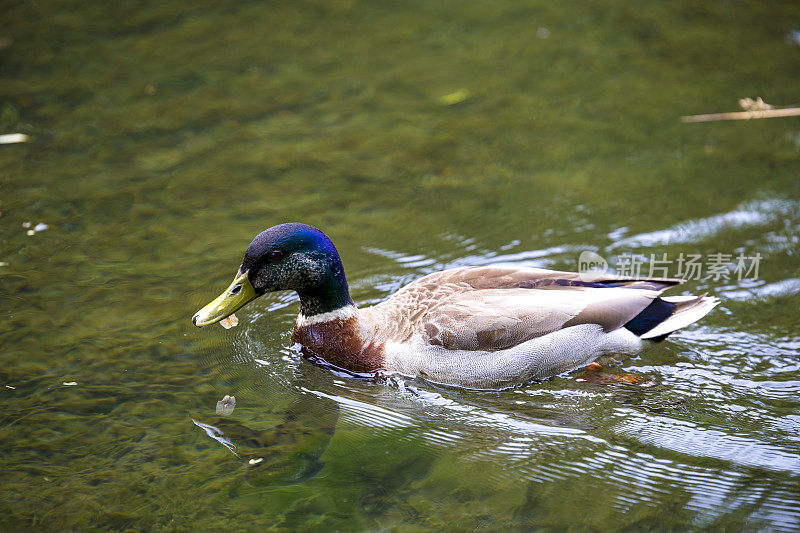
x: 748, y: 104
x: 225, y: 405
x: 230, y: 322
x: 70, y: 383
x: 41, y: 226
x: 255, y: 461
x: 14, y: 138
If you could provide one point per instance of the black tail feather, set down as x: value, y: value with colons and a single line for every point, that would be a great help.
x: 654, y: 314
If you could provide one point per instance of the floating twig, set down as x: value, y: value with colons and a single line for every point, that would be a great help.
x: 757, y: 108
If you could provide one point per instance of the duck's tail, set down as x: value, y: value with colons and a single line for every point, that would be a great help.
x: 667, y: 314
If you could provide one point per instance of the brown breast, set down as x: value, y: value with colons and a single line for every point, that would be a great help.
x: 338, y: 342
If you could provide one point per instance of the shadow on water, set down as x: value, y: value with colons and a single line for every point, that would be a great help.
x: 283, y: 454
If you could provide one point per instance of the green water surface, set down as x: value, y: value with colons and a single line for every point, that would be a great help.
x: 418, y: 136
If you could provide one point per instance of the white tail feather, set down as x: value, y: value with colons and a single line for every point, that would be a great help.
x: 690, y: 309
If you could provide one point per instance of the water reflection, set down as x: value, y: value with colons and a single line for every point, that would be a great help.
x: 283, y: 454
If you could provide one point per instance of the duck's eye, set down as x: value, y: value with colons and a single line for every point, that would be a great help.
x: 275, y: 255
x: 236, y: 289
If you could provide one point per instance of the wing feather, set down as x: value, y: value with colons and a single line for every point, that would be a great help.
x: 495, y: 308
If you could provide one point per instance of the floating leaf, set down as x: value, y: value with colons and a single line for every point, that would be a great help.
x: 455, y: 97
x: 230, y: 322
x: 225, y: 405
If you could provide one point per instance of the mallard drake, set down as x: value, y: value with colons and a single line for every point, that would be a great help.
x: 476, y: 327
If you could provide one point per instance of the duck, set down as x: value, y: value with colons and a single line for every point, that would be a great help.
x: 478, y: 327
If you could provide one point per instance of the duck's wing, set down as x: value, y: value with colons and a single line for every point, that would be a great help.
x: 495, y: 308
x: 497, y: 319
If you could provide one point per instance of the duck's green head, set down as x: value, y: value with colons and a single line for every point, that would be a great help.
x: 289, y: 256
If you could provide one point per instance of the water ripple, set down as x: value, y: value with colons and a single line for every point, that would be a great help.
x: 749, y: 214
x: 687, y: 438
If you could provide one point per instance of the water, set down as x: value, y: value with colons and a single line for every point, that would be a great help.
x: 419, y: 136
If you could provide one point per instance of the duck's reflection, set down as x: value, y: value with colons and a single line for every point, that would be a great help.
x: 285, y: 454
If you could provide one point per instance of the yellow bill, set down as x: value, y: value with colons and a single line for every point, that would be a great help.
x: 235, y: 296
